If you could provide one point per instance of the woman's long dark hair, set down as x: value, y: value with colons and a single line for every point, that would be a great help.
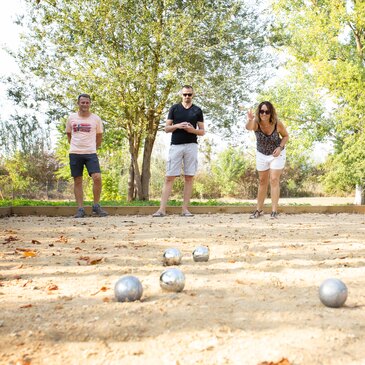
x: 271, y: 109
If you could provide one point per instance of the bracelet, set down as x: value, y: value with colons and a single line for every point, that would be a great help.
x: 281, y: 147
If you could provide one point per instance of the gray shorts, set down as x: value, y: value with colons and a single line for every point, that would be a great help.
x: 180, y: 154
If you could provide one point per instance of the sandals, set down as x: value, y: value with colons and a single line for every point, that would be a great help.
x: 256, y: 214
x: 158, y: 214
x: 187, y: 214
x: 274, y: 215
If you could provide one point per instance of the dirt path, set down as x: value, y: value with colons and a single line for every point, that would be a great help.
x: 255, y: 300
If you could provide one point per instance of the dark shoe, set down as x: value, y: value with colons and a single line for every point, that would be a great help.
x: 256, y: 214
x: 99, y: 211
x: 80, y: 213
x: 274, y: 215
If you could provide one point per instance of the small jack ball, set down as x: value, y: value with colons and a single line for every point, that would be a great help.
x: 333, y: 293
x: 128, y: 289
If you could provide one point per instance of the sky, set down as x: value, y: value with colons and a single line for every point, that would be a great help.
x: 9, y: 33
x: 9, y: 37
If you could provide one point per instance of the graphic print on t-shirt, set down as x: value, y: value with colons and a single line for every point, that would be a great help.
x: 81, y: 127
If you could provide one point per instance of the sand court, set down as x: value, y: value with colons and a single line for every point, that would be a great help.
x: 255, y: 300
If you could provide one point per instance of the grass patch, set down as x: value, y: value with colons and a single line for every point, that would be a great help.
x: 114, y: 203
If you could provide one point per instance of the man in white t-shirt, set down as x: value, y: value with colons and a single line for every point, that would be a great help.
x: 85, y: 132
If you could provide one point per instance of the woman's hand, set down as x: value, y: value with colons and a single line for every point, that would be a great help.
x: 250, y: 116
x: 277, y: 152
x: 251, y: 124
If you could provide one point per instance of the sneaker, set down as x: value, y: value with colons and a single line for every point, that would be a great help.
x: 80, y: 213
x: 99, y: 211
x: 274, y: 215
x: 256, y: 214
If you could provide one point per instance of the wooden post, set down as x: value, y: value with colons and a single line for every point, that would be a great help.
x: 359, y: 195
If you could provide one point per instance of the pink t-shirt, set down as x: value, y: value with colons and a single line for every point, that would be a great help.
x: 83, y: 132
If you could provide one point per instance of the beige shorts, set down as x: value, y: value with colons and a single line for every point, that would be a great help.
x: 270, y: 162
x: 182, y: 154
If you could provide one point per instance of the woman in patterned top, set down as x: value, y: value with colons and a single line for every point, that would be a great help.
x: 271, y: 138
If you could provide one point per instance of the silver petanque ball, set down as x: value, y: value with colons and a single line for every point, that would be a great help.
x: 128, y: 289
x: 333, y: 293
x: 172, y: 280
x: 201, y: 254
x: 172, y: 256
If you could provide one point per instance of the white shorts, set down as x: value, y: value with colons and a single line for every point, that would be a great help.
x: 270, y: 162
x: 179, y: 154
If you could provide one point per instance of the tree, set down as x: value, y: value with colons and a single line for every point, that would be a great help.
x: 132, y: 57
x: 302, y: 108
x: 22, y: 130
x: 229, y: 169
x: 29, y: 174
x: 327, y: 37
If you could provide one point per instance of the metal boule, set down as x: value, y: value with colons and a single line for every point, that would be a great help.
x: 333, y: 293
x: 201, y: 254
x: 128, y: 289
x: 172, y: 280
x: 172, y: 256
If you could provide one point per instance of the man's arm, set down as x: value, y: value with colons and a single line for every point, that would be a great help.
x: 170, y: 127
x: 199, y: 132
x: 99, y: 139
x: 69, y: 137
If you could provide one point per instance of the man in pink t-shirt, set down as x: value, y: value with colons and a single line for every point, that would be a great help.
x: 85, y: 133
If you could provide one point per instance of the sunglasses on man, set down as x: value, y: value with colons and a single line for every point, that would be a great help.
x: 188, y: 94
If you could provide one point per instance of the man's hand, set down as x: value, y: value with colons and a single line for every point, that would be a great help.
x: 189, y: 127
x: 183, y: 125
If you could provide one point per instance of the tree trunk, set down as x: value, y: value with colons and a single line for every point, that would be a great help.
x: 134, y: 180
x: 137, y: 178
x: 146, y: 169
x: 131, y: 182
x: 147, y: 153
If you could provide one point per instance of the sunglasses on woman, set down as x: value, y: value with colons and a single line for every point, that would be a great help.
x: 264, y: 112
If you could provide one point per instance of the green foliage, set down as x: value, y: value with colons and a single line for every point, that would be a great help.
x: 132, y: 56
x: 30, y: 175
x: 114, y: 167
x: 327, y: 39
x: 347, y: 167
x: 229, y: 169
x: 106, y: 203
x: 15, y: 179
x: 301, y: 107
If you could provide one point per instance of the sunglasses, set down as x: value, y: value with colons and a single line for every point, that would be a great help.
x: 265, y: 112
x: 187, y: 94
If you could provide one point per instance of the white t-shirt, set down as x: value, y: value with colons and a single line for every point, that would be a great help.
x: 83, y: 132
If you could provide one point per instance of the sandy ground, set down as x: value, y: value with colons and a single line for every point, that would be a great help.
x: 254, y: 302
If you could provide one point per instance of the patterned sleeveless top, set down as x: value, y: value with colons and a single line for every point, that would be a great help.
x: 266, y: 144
